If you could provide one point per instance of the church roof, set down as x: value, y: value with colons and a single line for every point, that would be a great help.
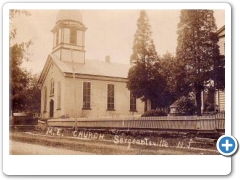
x: 93, y: 67
x: 221, y: 29
x: 74, y: 15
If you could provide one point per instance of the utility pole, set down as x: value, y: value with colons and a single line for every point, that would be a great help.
x: 75, y: 95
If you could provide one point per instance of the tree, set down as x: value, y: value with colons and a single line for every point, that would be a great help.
x: 218, y: 73
x: 24, y: 90
x: 18, y: 78
x: 25, y: 94
x: 197, y: 51
x: 32, y: 92
x: 186, y: 105
x: 12, y: 15
x: 141, y: 77
x: 166, y: 67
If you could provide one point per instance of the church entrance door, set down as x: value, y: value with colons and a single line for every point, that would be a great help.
x: 51, y: 108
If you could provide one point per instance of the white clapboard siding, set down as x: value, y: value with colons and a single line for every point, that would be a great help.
x: 221, y: 100
x: 221, y: 44
x: 220, y: 95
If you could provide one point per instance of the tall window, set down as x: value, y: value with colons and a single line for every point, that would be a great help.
x: 57, y: 37
x: 45, y: 99
x: 110, y: 97
x: 59, y: 96
x: 133, y: 106
x: 52, y: 88
x: 73, y: 36
x: 86, y: 95
x: 224, y: 49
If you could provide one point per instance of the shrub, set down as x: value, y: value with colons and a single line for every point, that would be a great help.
x: 187, y: 106
x: 208, y: 107
x: 154, y: 113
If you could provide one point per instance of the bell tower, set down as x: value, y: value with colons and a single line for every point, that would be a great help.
x: 69, y: 36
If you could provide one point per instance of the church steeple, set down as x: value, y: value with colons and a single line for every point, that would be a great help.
x: 69, y: 36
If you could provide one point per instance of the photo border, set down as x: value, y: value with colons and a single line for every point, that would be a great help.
x: 123, y: 165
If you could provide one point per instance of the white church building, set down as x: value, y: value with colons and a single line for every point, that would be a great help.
x: 73, y: 86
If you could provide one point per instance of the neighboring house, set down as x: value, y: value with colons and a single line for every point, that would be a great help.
x: 176, y: 110
x: 22, y: 118
x: 220, y: 94
x: 72, y: 86
x: 174, y: 107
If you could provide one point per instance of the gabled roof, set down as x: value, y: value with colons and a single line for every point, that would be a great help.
x: 45, y: 70
x: 176, y: 103
x: 94, y: 67
x: 221, y: 29
x: 90, y: 67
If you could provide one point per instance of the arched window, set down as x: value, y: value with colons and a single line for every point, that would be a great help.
x: 59, y: 95
x: 57, y: 37
x: 73, y: 36
x: 45, y: 99
x: 52, y: 88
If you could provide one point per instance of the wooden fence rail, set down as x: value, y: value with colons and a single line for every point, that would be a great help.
x: 184, y: 123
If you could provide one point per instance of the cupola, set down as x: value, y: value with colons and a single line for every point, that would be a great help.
x: 69, y: 36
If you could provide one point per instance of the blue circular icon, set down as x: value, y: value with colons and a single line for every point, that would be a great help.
x: 227, y: 145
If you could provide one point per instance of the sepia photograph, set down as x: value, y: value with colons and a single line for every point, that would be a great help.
x: 116, y: 82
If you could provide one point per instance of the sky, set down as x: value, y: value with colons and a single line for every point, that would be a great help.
x: 110, y: 32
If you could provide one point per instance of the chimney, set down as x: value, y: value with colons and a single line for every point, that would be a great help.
x: 107, y: 59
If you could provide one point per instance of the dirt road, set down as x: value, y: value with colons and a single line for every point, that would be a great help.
x: 44, y: 144
x: 20, y: 148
